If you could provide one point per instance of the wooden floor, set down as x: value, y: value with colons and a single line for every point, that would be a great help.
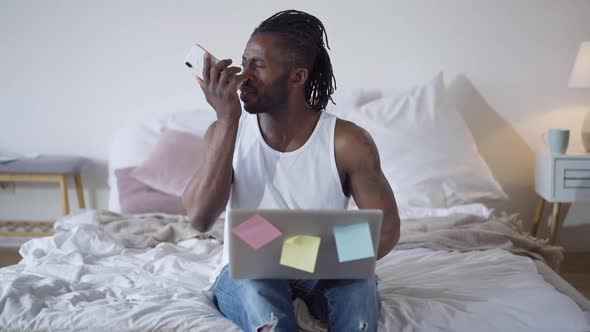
x: 575, y: 268
x: 9, y: 256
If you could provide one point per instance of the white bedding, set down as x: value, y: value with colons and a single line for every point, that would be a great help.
x: 82, y: 279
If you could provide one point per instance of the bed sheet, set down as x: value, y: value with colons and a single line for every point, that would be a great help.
x: 82, y: 279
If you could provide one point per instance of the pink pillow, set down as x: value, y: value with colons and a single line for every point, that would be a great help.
x: 172, y: 162
x: 136, y: 197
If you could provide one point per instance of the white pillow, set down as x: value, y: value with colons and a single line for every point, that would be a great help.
x: 193, y: 121
x: 427, y: 151
x: 348, y: 99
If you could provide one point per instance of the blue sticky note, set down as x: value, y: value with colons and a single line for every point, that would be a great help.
x: 353, y: 242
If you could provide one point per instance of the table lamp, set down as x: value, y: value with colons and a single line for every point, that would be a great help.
x: 580, y: 78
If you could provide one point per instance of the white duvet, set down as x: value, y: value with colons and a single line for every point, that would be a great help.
x: 81, y: 279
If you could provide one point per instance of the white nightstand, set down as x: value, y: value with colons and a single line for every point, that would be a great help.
x: 560, y: 178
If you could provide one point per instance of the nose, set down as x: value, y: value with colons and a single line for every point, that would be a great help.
x: 248, y: 71
x: 248, y: 83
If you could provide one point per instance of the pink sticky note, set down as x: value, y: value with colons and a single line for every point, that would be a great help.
x: 257, y: 232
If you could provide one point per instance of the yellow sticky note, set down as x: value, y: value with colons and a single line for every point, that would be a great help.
x: 300, y: 252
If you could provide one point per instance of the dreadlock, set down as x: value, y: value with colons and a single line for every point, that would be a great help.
x: 304, y: 38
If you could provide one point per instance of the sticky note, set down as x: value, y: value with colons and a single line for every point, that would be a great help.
x: 353, y: 242
x: 257, y: 232
x: 300, y: 252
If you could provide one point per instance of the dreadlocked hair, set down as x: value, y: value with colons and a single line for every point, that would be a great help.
x: 303, y: 36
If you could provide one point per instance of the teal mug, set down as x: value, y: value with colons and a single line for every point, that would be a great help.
x: 556, y: 139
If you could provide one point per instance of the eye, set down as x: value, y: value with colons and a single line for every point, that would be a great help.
x: 254, y: 64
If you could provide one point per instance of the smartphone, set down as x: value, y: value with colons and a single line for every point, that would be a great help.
x: 194, y: 59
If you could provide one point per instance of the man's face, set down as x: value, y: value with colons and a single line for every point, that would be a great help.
x: 266, y: 90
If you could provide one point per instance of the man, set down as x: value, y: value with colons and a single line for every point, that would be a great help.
x: 285, y: 152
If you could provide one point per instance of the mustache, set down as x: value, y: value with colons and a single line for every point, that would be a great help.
x: 245, y: 87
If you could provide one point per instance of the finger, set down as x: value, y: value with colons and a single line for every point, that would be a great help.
x: 201, y: 82
x: 206, y: 68
x: 227, y: 74
x: 237, y: 80
x: 217, y: 69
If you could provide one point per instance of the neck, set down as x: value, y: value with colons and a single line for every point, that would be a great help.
x: 287, y: 130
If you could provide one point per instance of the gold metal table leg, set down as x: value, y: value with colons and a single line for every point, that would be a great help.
x: 65, y: 204
x: 554, y: 223
x: 538, y: 215
x: 79, y: 190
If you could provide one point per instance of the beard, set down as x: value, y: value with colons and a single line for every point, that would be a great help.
x: 273, y: 99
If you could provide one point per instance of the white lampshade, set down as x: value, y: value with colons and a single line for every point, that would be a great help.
x: 580, y: 77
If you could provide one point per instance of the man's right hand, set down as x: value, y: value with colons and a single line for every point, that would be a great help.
x: 220, y: 86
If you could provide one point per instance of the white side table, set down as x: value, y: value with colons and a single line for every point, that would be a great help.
x: 560, y: 178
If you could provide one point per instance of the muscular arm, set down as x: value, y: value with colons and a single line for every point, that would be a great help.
x: 358, y: 158
x: 208, y: 191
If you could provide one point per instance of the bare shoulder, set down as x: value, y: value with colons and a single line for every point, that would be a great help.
x: 348, y: 132
x: 353, y: 145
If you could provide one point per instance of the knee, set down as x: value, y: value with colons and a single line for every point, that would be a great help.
x: 355, y: 306
x: 256, y: 305
x: 268, y: 326
x: 356, y: 290
x: 270, y: 290
x: 269, y: 305
x: 362, y: 321
x: 255, y: 295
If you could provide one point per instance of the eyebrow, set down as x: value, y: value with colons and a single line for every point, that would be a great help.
x: 255, y: 59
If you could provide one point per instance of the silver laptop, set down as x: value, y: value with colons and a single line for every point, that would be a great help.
x: 251, y: 262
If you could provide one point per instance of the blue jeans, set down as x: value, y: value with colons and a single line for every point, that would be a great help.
x: 346, y: 305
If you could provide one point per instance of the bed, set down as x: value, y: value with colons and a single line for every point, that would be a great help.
x: 459, y: 266
x: 84, y: 279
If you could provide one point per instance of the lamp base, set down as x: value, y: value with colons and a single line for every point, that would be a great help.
x: 586, y: 132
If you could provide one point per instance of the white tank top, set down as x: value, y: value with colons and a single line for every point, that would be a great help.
x: 264, y: 178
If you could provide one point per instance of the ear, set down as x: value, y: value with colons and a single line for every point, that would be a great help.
x: 298, y: 77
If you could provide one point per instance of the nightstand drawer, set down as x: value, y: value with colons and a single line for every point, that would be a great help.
x: 577, y: 174
x: 577, y: 183
x: 572, y: 180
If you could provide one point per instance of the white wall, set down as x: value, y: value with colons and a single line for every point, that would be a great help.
x: 72, y: 72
